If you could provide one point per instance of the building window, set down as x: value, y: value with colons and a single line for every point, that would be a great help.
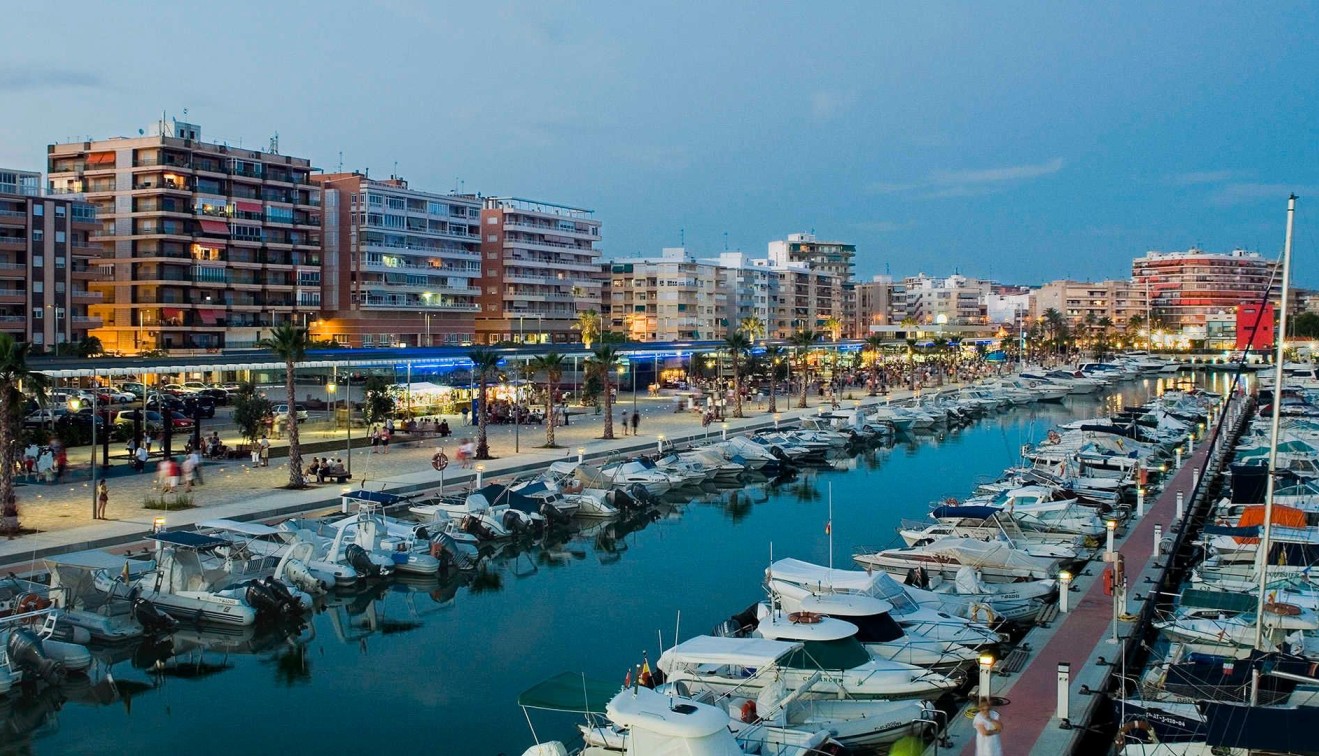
x: 38, y: 313
x: 37, y: 287
x: 38, y: 210
x: 60, y: 210
x: 59, y: 237
x: 38, y: 261
x: 38, y: 234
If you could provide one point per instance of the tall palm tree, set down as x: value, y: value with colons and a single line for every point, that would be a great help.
x: 834, y: 326
x: 774, y: 356
x: 589, y: 324
x: 1104, y: 326
x: 484, y: 363
x: 738, y: 346
x: 753, y: 327
x: 874, y: 343
x: 801, y: 342
x: 551, y: 364
x: 289, y: 342
x: 13, y: 371
x: 604, y: 360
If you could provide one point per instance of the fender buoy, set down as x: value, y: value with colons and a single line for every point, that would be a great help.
x: 439, y: 461
x: 804, y: 618
x: 980, y: 609
x: 31, y: 602
x: 749, y: 715
x: 1285, y: 610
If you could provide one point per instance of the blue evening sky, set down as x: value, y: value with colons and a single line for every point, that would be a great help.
x: 1013, y: 140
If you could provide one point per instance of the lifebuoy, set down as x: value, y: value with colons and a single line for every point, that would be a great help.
x: 951, y: 501
x: 439, y: 461
x: 749, y: 714
x: 31, y: 602
x: 1286, y: 610
x: 1128, y: 728
x: 804, y: 618
x: 980, y: 608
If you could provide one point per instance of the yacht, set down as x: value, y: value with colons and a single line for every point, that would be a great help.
x: 998, y: 562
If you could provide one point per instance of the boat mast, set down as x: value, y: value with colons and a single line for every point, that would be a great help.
x: 1263, y: 555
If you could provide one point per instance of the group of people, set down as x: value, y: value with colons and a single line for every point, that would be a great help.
x: 635, y: 421
x: 171, y: 473
x: 502, y: 412
x: 46, y: 464
x: 327, y: 468
x: 380, y: 437
x: 466, y: 452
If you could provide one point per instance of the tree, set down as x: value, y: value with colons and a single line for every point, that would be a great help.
x: 1131, y: 335
x: 250, y: 411
x: 589, y: 324
x: 13, y: 372
x: 484, y: 363
x: 1305, y: 326
x: 874, y: 345
x: 602, y: 363
x: 1103, y: 327
x: 801, y: 342
x: 738, y: 347
x: 834, y: 327
x: 753, y: 327
x: 774, y: 357
x: 551, y: 364
x: 378, y: 400
x: 289, y: 343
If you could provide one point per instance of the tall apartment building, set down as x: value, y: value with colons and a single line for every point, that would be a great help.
x: 208, y: 245
x: 1081, y: 302
x: 1186, y: 287
x: 956, y: 299
x: 880, y: 301
x: 399, y: 266
x: 45, y: 263
x: 673, y: 297
x: 834, y: 258
x: 540, y: 267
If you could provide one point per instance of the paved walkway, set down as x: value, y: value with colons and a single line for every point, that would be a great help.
x: 61, y: 513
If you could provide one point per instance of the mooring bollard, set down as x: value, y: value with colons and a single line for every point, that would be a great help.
x: 659, y: 443
x: 1177, y: 465
x: 1190, y: 443
x: 1064, y: 587
x: 986, y: 672
x: 1111, y: 527
x: 1140, y: 501
x: 1064, y: 689
x: 1195, y: 478
x: 1181, y: 505
x: 1158, y: 540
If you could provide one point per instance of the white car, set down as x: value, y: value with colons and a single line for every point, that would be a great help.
x: 282, y: 412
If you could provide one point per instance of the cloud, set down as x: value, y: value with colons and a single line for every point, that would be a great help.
x: 1246, y: 192
x: 1194, y: 178
x: 13, y: 79
x: 970, y: 183
x: 828, y: 104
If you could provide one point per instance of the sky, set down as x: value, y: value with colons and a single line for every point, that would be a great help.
x: 1018, y: 141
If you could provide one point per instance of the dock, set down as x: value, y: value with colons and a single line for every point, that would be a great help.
x: 1082, y: 649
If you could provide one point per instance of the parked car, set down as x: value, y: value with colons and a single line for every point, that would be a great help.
x: 151, y: 421
x: 230, y: 386
x: 198, y: 404
x: 169, y: 402
x: 174, y: 389
x: 282, y: 412
x: 218, y: 394
x: 119, y: 396
x: 43, y: 417
x: 138, y: 390
x: 180, y: 420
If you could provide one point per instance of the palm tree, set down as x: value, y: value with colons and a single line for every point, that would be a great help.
x: 1104, y: 326
x: 13, y: 371
x: 738, y: 346
x: 589, y: 324
x: 753, y: 327
x: 874, y: 343
x: 484, y: 363
x: 603, y: 362
x: 834, y: 326
x: 551, y: 364
x: 289, y: 343
x: 774, y: 356
x: 801, y: 342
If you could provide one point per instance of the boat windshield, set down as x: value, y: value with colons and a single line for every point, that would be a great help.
x: 876, y: 628
x: 844, y: 653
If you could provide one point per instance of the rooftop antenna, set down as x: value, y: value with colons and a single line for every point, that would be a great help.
x: 682, y: 237
x: 340, y: 168
x: 274, y: 144
x: 395, y: 174
x: 725, y: 241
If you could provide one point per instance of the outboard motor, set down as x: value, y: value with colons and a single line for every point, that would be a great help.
x: 639, y: 492
x: 292, y: 606
x: 779, y: 454
x: 300, y: 576
x: 552, y: 514
x: 26, y: 653
x: 260, y: 597
x: 451, y: 553
x: 513, y: 522
x: 359, y: 560
x: 152, y: 620
x: 917, y: 577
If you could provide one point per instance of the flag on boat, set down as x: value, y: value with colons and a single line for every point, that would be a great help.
x: 646, y: 679
x: 828, y: 526
x: 126, y: 574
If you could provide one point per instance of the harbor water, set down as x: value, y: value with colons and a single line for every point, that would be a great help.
x: 438, y: 666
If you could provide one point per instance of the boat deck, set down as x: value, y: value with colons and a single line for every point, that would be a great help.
x: 1081, y: 637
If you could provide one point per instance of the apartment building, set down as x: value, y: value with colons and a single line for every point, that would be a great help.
x: 673, y: 297
x: 879, y: 302
x: 45, y: 263
x: 540, y: 267
x: 1186, y: 287
x: 399, y: 266
x: 206, y: 245
x: 834, y: 258
x: 956, y: 299
x: 1084, y: 302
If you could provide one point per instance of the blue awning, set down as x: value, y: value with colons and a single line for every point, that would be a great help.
x: 188, y: 539
x: 969, y: 513
x: 1226, y: 530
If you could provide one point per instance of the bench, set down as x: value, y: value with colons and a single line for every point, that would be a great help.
x: 341, y: 479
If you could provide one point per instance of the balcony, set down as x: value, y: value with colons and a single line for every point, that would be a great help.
x: 387, y: 303
x: 84, y: 320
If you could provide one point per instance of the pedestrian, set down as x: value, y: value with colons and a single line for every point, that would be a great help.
x: 189, y: 472
x: 636, y: 421
x: 162, y: 475
x: 10, y: 514
x: 375, y: 440
x: 989, y: 726
x: 102, y: 499
x: 265, y: 451
x: 465, y: 411
x: 140, y: 458
x: 256, y: 455
x: 385, y: 433
x: 196, y: 458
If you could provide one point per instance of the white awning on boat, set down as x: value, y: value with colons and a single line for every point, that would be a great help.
x: 810, y: 575
x: 743, y: 652
x: 254, y: 529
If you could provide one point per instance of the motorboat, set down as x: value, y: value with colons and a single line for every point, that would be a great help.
x: 273, y: 544
x: 1044, y: 509
x: 996, y: 561
x: 368, y: 530
x: 716, y: 465
x: 30, y: 644
x: 846, y: 668
x: 636, y: 472
x: 988, y: 524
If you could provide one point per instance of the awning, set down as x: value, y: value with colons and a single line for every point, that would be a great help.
x: 101, y: 158
x: 569, y: 692
x: 214, y: 227
x: 209, y: 317
x: 170, y: 312
x: 245, y: 206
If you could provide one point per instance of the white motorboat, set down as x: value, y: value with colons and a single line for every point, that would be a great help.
x: 1044, y: 509
x: 273, y: 544
x: 996, y: 561
x: 368, y: 530
x: 656, y: 482
x: 989, y: 524
x: 716, y: 466
x: 744, y: 451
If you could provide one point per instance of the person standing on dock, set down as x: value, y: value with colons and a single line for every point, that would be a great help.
x: 989, y: 726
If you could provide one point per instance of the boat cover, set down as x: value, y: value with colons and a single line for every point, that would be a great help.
x: 742, y: 652
x: 968, y: 583
x: 1218, y: 600
x: 949, y: 512
x: 499, y: 495
x: 571, y: 692
x: 995, y: 553
x: 246, y: 528
x: 188, y: 540
x: 1283, y: 516
x: 1227, y: 530
x: 379, y: 497
x: 91, y: 560
x: 806, y: 575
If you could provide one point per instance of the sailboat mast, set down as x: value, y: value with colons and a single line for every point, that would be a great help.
x: 1263, y: 555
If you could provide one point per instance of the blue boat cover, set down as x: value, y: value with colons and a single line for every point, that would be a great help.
x: 968, y: 513
x: 188, y: 539
x: 379, y: 497
x: 1251, y: 531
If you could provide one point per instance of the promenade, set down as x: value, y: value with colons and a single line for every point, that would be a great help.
x: 61, y: 513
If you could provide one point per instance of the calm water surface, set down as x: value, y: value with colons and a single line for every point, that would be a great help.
x: 439, y: 665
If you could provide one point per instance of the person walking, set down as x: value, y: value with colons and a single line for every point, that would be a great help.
x: 989, y: 726
x: 375, y: 440
x: 102, y: 499
x: 385, y: 433
x: 636, y: 421
x: 265, y: 451
x: 140, y: 458
x: 196, y: 457
x: 189, y: 473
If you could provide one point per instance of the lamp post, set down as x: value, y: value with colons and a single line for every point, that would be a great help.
x: 1064, y: 587
x: 986, y: 674
x: 1111, y: 527
x: 348, y: 407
